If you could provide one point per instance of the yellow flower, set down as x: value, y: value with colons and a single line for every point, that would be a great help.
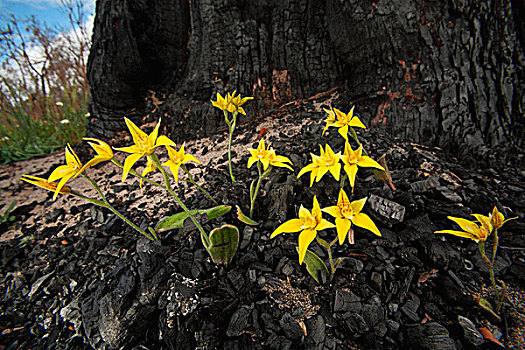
x: 144, y: 145
x: 347, y: 213
x: 73, y: 168
x: 497, y: 219
x: 267, y: 157
x: 352, y: 159
x: 308, y: 223
x: 344, y: 121
x: 177, y: 158
x: 221, y: 103
x: 231, y: 103
x: 327, y: 161
x: 470, y: 229
x: 279, y: 161
x: 237, y: 101
x: 260, y: 154
x: 45, y: 184
x: 104, y: 152
x: 330, y: 119
x: 150, y: 166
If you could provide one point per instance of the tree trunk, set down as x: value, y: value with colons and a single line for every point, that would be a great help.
x: 449, y: 73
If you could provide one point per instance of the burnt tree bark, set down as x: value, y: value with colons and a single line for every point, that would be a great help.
x: 450, y: 73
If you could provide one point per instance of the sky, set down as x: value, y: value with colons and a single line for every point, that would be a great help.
x: 48, y: 11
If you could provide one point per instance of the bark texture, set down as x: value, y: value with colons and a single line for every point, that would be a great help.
x: 444, y: 72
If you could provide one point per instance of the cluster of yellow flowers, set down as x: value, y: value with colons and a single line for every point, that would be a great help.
x: 144, y: 145
x: 345, y: 212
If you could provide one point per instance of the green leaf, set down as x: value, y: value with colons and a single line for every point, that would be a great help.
x: 251, y: 190
x: 224, y: 242
x: 485, y: 305
x: 336, y: 265
x: 177, y: 220
x: 215, y: 212
x: 244, y: 218
x: 384, y: 175
x: 314, y: 265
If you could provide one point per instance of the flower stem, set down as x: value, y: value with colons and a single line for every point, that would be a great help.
x: 115, y: 211
x: 499, y: 297
x: 177, y: 199
x: 256, y: 188
x: 231, y: 129
x: 192, y: 181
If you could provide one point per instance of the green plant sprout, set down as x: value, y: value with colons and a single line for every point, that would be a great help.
x: 268, y: 159
x: 479, y: 232
x: 221, y: 243
x: 231, y: 104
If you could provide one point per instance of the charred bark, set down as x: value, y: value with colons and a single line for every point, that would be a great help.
x: 448, y: 73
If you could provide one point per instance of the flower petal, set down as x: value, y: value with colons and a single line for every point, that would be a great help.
x: 155, y: 133
x: 351, y: 171
x: 368, y: 162
x: 323, y: 225
x: 466, y: 225
x: 137, y: 134
x: 358, y: 205
x: 163, y: 140
x: 343, y: 226
x: 305, y: 238
x: 293, y: 225
x: 190, y: 158
x: 61, y: 184
x: 335, y: 170
x: 251, y: 160
x: 356, y: 122
x: 128, y: 163
x: 58, y: 173
x: 343, y: 131
x: 460, y: 234
x: 364, y: 221
x: 129, y: 149
x: 333, y: 210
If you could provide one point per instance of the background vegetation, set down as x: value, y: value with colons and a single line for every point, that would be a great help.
x: 43, y: 87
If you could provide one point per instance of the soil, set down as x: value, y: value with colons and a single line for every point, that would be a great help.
x: 74, y: 276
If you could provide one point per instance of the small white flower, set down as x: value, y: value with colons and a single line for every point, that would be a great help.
x: 87, y: 115
x: 59, y: 104
x: 64, y: 121
x: 5, y: 138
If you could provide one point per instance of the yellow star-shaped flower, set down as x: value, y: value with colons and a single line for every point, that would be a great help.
x: 177, y: 158
x: 347, y: 213
x: 354, y: 159
x: 144, y: 145
x: 326, y: 161
x: 308, y: 223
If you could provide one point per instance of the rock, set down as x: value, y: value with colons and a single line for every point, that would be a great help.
x: 424, y: 185
x: 386, y: 209
x: 373, y: 313
x: 470, y: 332
x: 38, y: 283
x: 410, y: 310
x: 428, y: 336
x: 347, y: 301
x: 291, y: 327
x: 376, y: 281
x: 246, y: 237
x: 238, y: 322
x: 449, y: 194
x: 316, y: 329
x: 444, y: 254
x: 356, y: 324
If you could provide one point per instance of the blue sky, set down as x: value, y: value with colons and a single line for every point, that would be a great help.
x: 48, y: 11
